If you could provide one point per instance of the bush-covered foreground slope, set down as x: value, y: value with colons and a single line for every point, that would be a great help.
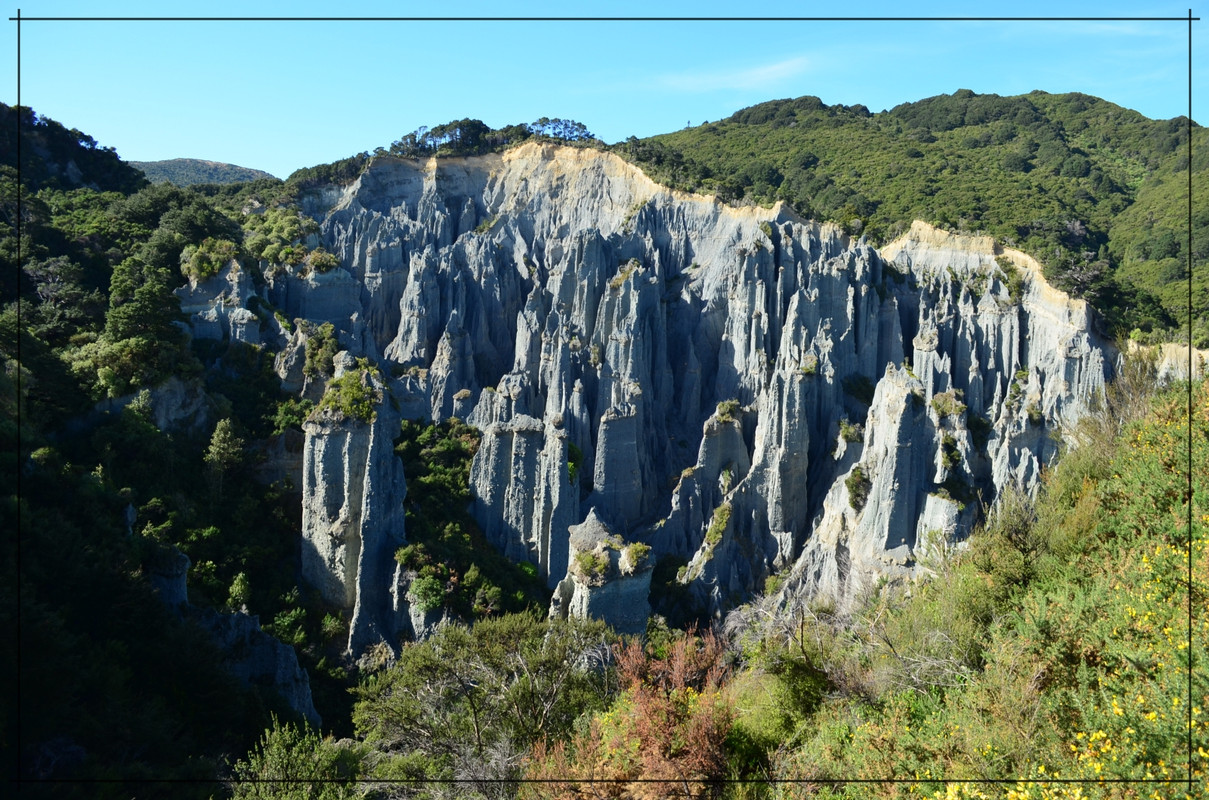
x: 1055, y: 646
x: 1095, y: 192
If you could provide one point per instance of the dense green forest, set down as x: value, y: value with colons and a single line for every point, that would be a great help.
x: 1054, y: 646
x: 192, y: 171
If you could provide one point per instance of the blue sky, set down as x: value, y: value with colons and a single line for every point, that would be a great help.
x: 280, y: 96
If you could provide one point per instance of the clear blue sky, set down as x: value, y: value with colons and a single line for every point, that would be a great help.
x: 280, y: 96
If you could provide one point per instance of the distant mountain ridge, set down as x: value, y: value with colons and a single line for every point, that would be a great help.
x: 192, y: 171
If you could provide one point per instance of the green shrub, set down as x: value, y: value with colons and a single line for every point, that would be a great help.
x: 858, y: 488
x: 950, y: 456
x: 428, y: 592
x: 292, y: 254
x: 291, y: 413
x: 1013, y: 278
x: 354, y: 394
x: 726, y: 411
x: 726, y: 479
x: 240, y: 592
x: 592, y: 565
x: 323, y: 261
x: 773, y: 584
x: 332, y: 627
x: 851, y: 432
x: 636, y: 553
x: 575, y: 458
x: 291, y: 761
x: 948, y: 404
x: 717, y: 525
x: 321, y: 349
x: 203, y: 261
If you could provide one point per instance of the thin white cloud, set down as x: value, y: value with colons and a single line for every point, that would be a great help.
x: 763, y: 76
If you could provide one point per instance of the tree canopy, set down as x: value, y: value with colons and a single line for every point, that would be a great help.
x: 473, y: 137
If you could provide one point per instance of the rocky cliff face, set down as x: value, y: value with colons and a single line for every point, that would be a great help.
x: 352, y: 516
x: 743, y: 390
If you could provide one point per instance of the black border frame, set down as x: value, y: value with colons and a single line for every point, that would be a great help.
x: 19, y: 19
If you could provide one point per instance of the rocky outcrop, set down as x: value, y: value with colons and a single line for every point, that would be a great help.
x: 352, y: 514
x: 1000, y: 365
x: 526, y: 501
x: 1172, y: 362
x: 174, y: 405
x: 254, y: 657
x: 688, y: 357
x: 258, y: 659
x: 168, y: 574
x: 221, y: 308
x: 608, y: 579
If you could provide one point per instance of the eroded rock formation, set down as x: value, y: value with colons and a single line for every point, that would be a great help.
x: 841, y: 404
x: 352, y: 516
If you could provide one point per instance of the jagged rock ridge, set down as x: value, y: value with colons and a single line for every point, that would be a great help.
x: 700, y: 357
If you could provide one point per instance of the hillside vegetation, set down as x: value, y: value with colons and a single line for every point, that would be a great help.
x: 1054, y: 647
x: 1097, y: 193
x: 191, y: 171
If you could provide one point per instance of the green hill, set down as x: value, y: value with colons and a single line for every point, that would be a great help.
x: 191, y: 171
x: 1096, y: 192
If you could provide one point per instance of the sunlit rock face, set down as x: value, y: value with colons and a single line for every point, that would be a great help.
x: 651, y: 357
x: 353, y: 489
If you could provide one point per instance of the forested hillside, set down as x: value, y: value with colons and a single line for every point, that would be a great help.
x: 192, y: 171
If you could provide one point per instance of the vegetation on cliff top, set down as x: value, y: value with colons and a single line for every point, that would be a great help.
x: 1097, y: 193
